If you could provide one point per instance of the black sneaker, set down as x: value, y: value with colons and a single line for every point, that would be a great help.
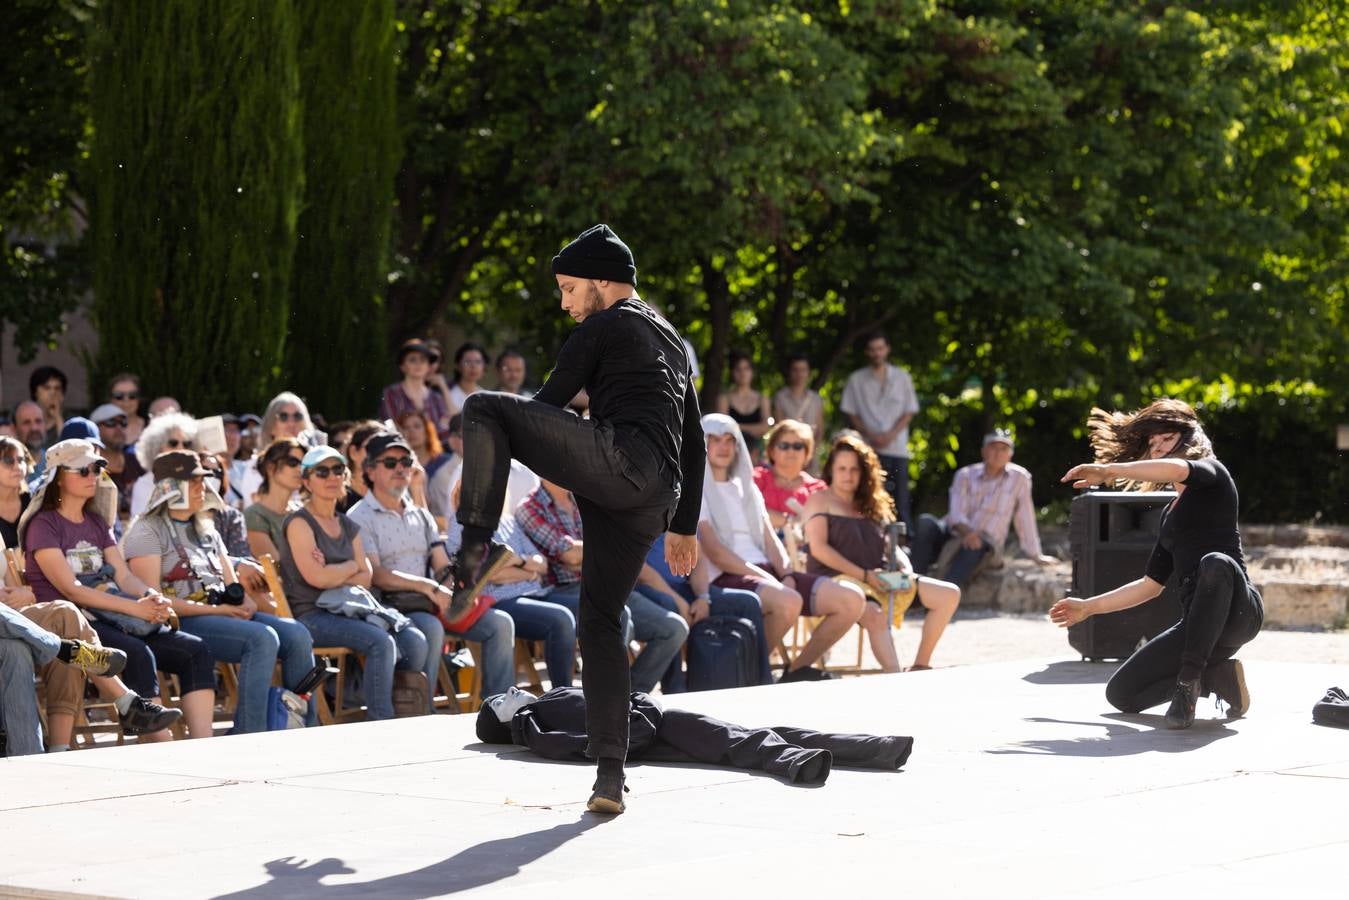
x: 1227, y: 679
x: 607, y: 796
x: 805, y: 673
x: 1181, y: 713
x: 473, y: 567
x: 145, y: 717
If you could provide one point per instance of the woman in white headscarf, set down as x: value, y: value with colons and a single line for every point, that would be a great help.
x: 741, y: 545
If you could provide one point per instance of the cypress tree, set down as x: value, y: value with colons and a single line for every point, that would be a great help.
x: 352, y: 150
x: 197, y: 181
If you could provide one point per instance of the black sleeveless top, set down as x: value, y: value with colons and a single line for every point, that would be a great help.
x: 860, y: 541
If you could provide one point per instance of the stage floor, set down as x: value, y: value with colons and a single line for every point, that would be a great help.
x: 1021, y: 784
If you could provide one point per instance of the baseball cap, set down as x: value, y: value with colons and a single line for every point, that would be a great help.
x: 106, y: 412
x: 382, y: 441
x: 80, y: 428
x: 999, y: 436
x: 317, y: 455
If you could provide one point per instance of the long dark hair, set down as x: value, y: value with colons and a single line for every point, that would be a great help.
x: 468, y: 347
x: 872, y: 500
x: 1118, y: 437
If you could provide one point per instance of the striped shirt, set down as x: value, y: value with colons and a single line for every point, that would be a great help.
x: 992, y: 504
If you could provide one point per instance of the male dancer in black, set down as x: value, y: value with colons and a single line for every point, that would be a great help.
x: 1164, y: 443
x: 635, y: 467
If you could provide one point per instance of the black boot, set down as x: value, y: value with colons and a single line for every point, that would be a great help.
x: 607, y: 796
x: 1227, y: 679
x: 1181, y: 713
x: 473, y: 567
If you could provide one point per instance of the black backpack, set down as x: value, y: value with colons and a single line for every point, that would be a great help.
x: 722, y: 653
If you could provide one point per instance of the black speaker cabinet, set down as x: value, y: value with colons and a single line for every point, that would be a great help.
x: 1112, y: 534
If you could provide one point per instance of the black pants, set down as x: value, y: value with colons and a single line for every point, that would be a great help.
x: 175, y: 652
x: 1221, y: 612
x: 626, y: 498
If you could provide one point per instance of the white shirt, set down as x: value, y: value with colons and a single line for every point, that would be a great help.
x: 740, y: 541
x: 880, y: 402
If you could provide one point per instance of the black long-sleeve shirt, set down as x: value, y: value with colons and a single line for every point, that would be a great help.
x: 635, y: 368
x: 1202, y: 520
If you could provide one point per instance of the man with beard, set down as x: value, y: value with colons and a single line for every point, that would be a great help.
x: 123, y: 467
x: 635, y: 467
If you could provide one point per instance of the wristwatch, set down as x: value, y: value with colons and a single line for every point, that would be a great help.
x: 704, y: 597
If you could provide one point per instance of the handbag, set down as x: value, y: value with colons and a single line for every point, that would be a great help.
x: 408, y: 602
x: 102, y: 580
x: 481, y: 604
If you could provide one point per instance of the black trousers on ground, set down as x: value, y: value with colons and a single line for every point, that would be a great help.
x: 626, y: 498
x: 1221, y: 611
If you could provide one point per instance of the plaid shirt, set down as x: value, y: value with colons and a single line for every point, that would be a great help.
x: 553, y: 530
x: 991, y: 505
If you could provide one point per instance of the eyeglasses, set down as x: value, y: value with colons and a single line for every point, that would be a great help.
x: 117, y: 422
x: 86, y: 471
x: 289, y: 462
x: 126, y: 395
x: 336, y: 470
x: 284, y: 416
x: 174, y: 443
x: 10, y: 460
x: 790, y: 445
x: 392, y: 462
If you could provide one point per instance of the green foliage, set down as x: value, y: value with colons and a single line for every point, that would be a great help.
x: 43, y: 110
x: 352, y: 146
x: 198, y: 177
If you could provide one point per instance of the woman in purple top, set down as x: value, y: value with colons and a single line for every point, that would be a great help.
x: 415, y: 393
x: 1164, y: 444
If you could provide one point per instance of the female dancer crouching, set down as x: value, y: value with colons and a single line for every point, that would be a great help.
x: 1164, y: 444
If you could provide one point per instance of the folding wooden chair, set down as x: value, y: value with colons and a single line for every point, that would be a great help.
x: 327, y: 715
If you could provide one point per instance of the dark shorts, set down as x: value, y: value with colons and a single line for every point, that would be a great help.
x: 804, y: 583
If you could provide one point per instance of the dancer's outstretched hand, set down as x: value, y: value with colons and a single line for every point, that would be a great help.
x: 1069, y: 611
x: 681, y: 553
x: 1086, y: 475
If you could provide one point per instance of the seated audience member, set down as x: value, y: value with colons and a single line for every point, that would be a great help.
x: 174, y: 547
x: 404, y: 548
x: 280, y: 467
x: 428, y: 454
x: 170, y: 431
x: 355, y: 456
x: 744, y: 552
x: 550, y: 519
x: 414, y: 394
x: 163, y: 406
x: 70, y: 553
x: 986, y: 499
x: 438, y: 485
x: 123, y: 467
x: 339, y: 435
x: 235, y: 467
x: 695, y: 597
x: 286, y: 416
x: 797, y: 400
x: 30, y: 425
x: 789, y: 447
x: 845, y: 531
x: 41, y: 639
x: 470, y: 363
x: 47, y: 388
x: 250, y: 432
x: 15, y: 464
x: 746, y: 404
x: 124, y: 392
x: 328, y: 576
x: 511, y: 373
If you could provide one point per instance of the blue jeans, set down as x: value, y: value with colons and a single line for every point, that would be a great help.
x: 256, y: 645
x: 552, y: 623
x: 496, y: 632
x: 664, y: 632
x: 434, y: 632
x: 932, y: 535
x: 24, y: 648
x: 897, y: 485
x: 382, y: 651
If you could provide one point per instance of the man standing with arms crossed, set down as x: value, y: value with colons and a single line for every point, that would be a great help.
x: 635, y: 467
x: 880, y: 402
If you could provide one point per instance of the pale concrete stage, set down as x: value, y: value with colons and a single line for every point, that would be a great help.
x: 1021, y: 784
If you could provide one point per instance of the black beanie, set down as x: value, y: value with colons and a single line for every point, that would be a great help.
x: 599, y: 254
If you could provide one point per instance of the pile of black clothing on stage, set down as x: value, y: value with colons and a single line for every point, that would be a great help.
x: 553, y: 726
x: 1333, y: 709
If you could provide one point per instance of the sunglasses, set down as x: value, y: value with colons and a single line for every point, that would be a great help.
x: 11, y: 460
x: 289, y: 417
x: 390, y: 462
x: 86, y: 471
x: 792, y: 445
x: 118, y: 422
x: 336, y: 470
x: 126, y: 395
x: 289, y: 462
x: 174, y: 443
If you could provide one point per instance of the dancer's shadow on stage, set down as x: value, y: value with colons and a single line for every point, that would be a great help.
x: 1072, y: 671
x: 1121, y: 738
x: 477, y: 866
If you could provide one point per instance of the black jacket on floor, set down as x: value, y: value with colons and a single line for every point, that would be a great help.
x: 554, y: 727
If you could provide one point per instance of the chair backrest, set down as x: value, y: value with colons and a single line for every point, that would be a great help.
x: 273, y: 577
x: 14, y: 567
